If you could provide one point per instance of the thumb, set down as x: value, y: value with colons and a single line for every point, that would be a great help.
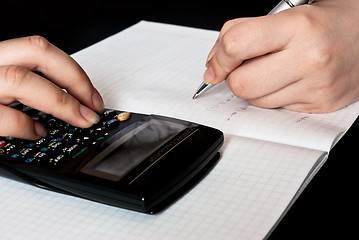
x: 17, y: 124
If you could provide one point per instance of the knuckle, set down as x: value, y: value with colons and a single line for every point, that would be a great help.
x: 234, y: 35
x: 64, y: 106
x: 13, y: 76
x: 62, y: 99
x: 227, y: 25
x: 320, y: 57
x: 38, y: 43
x: 303, y: 18
x: 235, y: 41
x: 230, y: 43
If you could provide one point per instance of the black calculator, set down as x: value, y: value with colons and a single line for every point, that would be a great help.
x: 129, y: 160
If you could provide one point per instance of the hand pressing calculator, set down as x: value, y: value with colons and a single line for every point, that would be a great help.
x: 129, y: 160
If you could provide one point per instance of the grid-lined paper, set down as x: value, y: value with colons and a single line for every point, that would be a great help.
x: 155, y: 68
x: 241, y: 198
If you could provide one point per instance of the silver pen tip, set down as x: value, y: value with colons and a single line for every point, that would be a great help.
x: 204, y: 87
x: 195, y: 96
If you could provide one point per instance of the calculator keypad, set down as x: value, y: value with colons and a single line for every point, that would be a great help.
x: 62, y: 143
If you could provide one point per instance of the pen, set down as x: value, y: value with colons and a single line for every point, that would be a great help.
x: 283, y: 5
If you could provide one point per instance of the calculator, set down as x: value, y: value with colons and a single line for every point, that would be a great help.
x: 134, y: 161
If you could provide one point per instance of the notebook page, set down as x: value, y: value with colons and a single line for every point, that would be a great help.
x: 241, y: 198
x: 155, y: 69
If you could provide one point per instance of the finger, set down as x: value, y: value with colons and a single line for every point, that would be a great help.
x: 266, y: 74
x: 228, y: 25
x: 246, y: 40
x: 320, y: 100
x: 312, y: 108
x: 20, y: 84
x: 313, y: 95
x: 37, y: 54
x: 300, y: 96
x: 17, y: 124
x: 289, y: 95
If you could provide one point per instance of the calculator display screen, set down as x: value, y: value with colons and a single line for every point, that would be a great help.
x: 135, y: 146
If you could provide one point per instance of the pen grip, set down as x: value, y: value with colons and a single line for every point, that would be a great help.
x: 286, y: 4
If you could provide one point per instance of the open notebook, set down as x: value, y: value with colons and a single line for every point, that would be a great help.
x: 267, y: 159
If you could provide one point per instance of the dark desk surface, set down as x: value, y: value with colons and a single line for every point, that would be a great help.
x: 327, y: 207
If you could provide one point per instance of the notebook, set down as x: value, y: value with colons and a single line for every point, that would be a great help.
x: 268, y: 157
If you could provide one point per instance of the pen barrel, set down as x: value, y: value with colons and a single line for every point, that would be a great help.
x: 286, y: 4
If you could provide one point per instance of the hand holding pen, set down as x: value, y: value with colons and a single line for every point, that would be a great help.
x: 297, y: 59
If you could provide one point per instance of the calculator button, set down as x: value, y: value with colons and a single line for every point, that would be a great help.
x: 2, y: 143
x: 16, y: 105
x: 73, y: 129
x: 29, y: 160
x: 30, y: 144
x: 84, y: 140
x: 42, y: 141
x: 108, y: 114
x: 54, y: 132
x: 53, y: 123
x: 56, y: 160
x: 43, y: 116
x: 124, y: 116
x: 112, y: 124
x: 68, y: 138
x: 99, y: 131
x: 78, y: 153
x: 71, y: 149
x: 40, y: 157
x: 53, y: 146
x: 10, y: 148
x: 2, y: 150
x: 26, y: 152
x: 56, y: 139
x: 15, y: 156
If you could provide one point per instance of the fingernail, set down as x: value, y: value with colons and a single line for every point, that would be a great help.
x: 40, y: 130
x: 209, y: 75
x: 89, y: 115
x: 98, y: 102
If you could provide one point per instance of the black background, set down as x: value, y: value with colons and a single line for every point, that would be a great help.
x: 326, y: 209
